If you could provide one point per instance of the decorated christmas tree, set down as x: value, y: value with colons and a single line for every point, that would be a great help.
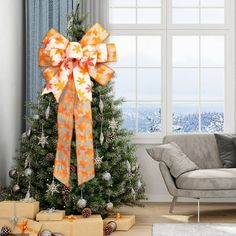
x: 117, y: 178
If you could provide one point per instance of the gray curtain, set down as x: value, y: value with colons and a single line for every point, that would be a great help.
x: 41, y: 15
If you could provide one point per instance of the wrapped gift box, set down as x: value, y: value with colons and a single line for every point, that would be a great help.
x: 19, y: 209
x: 27, y: 227
x: 50, y: 215
x: 125, y: 222
x: 76, y: 225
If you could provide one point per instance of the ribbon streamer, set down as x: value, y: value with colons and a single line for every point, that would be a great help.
x: 69, y: 68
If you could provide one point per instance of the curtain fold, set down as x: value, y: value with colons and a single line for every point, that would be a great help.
x: 41, y: 15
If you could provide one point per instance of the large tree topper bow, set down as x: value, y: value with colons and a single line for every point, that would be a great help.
x: 69, y: 68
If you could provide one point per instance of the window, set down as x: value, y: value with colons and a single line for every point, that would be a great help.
x: 175, y: 65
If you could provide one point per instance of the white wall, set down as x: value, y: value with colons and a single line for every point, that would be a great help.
x: 11, y: 77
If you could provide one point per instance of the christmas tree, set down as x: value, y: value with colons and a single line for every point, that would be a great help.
x: 117, y: 179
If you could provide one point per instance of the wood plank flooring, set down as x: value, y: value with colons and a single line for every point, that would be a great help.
x: 183, y: 213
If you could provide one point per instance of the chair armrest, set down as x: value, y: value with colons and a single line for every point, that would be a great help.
x: 169, y: 179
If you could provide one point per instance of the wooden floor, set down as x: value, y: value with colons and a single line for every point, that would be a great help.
x: 183, y: 213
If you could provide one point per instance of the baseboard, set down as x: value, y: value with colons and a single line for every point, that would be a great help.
x: 168, y: 198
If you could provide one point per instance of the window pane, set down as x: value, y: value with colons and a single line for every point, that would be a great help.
x: 212, y: 3
x: 125, y: 83
x: 149, y: 117
x: 149, y: 84
x: 149, y: 51
x: 185, y: 117
x: 122, y: 16
x: 126, y: 51
x: 185, y: 3
x: 212, y: 16
x: 185, y: 16
x: 212, y: 51
x: 212, y: 84
x: 149, y: 3
x: 122, y: 3
x: 129, y: 116
x: 212, y: 117
x: 182, y: 79
x: 186, y: 51
x: 149, y: 15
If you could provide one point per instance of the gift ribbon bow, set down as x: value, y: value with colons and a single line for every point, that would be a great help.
x: 69, y: 68
x: 24, y: 228
x: 70, y: 218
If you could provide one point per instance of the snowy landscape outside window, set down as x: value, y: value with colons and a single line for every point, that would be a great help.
x: 171, y: 67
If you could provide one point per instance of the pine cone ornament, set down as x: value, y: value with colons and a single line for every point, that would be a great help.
x: 86, y: 212
x: 111, y: 137
x: 49, y: 157
x: 5, y: 231
x: 108, y: 230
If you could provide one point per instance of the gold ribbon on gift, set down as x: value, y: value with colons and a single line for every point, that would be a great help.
x: 24, y: 228
x: 70, y: 218
x: 69, y: 68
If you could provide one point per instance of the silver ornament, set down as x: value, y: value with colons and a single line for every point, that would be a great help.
x: 16, y: 188
x: 52, y: 188
x: 47, y: 112
x: 81, y: 203
x: 101, y: 105
x: 28, y: 172
x: 12, y: 172
x: 98, y: 161
x: 36, y: 117
x: 139, y: 184
x: 27, y: 160
x: 113, y: 124
x: 106, y: 176
x: 101, y: 138
x: 43, y: 139
x: 45, y: 232
x: 29, y: 132
x: 109, y: 206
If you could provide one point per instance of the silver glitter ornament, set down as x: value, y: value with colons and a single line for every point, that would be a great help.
x: 16, y: 188
x: 101, y: 138
x: 113, y: 124
x: 101, y: 105
x: 46, y: 232
x: 52, y: 188
x: 47, y: 112
x: 81, y: 203
x: 139, y: 184
x: 29, y: 132
x: 43, y: 139
x: 98, y: 161
x: 28, y: 172
x: 106, y: 176
x: 109, y: 206
x: 12, y: 172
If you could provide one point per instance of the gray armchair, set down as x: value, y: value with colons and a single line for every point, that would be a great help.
x: 210, y: 181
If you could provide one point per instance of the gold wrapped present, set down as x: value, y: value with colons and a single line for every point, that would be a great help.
x: 50, y: 214
x: 124, y: 222
x: 27, y: 227
x: 76, y: 225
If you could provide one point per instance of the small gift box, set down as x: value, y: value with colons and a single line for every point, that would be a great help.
x: 50, y: 214
x: 124, y: 222
x: 27, y: 227
x: 76, y: 225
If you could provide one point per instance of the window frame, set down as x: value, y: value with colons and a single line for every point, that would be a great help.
x: 166, y: 30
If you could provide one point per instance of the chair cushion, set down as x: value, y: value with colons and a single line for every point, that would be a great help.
x: 208, y: 179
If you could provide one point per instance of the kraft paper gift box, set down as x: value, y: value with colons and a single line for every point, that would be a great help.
x: 50, y: 214
x: 10, y: 211
x: 125, y: 222
x: 27, y: 227
x: 76, y: 225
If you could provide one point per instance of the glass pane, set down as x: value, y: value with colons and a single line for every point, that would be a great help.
x: 185, y: 84
x: 212, y: 84
x: 186, y: 51
x: 212, y: 51
x: 149, y: 3
x: 149, y: 84
x: 129, y: 116
x: 212, y: 3
x: 149, y: 15
x: 122, y: 15
x: 149, y: 51
x: 185, y: 3
x: 122, y: 3
x: 149, y: 117
x: 126, y: 51
x: 212, y: 16
x: 212, y: 117
x: 185, y: 117
x: 185, y: 16
x: 125, y: 83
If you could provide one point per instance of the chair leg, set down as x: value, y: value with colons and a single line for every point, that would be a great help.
x: 198, y: 210
x: 172, y: 204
